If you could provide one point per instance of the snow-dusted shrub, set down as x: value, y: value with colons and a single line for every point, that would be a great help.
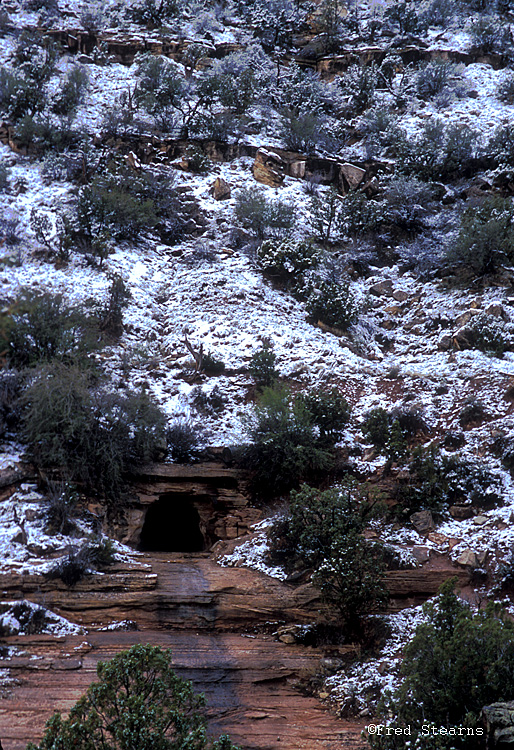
x: 323, y: 214
x: 405, y: 202
x: 306, y: 133
x: 440, y: 152
x: 357, y: 214
x: 50, y: 6
x: 20, y: 96
x: 211, y: 403
x: 286, y: 446
x: 262, y: 216
x: 4, y: 177
x: 94, y: 437
x: 486, y: 239
x: 22, y: 617
x: 43, y: 328
x: 61, y: 501
x: 441, y: 13
x: 332, y: 303
x: 404, y: 17
x: 91, y: 20
x: 125, y: 204
x: 501, y: 145
x: 330, y: 412
x: 458, y: 662
x: 434, y: 77
x: 302, y: 92
x: 72, y: 91
x: 153, y: 13
x: 111, y: 316
x: 262, y: 365
x: 359, y: 84
x: 211, y: 365
x: 351, y: 580
x: 72, y: 569
x: 505, y: 88
x: 380, y: 128
x: 472, y: 412
x: 490, y: 334
x: 183, y: 440
x: 288, y: 259
x: 489, y: 34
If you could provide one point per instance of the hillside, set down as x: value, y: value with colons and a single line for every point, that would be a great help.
x: 199, y: 200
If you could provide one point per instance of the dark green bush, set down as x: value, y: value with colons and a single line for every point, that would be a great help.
x: 303, y: 536
x: 154, y: 13
x: 505, y: 90
x: 262, y: 365
x: 351, y: 580
x: 137, y: 702
x: 94, y: 437
x: 434, y: 77
x: 72, y: 92
x: 262, y: 216
x: 489, y: 34
x: 458, y: 662
x: 486, y: 239
x: 72, y: 569
x: 440, y: 152
x: 111, y: 316
x: 332, y: 304
x: 43, y: 328
x: 287, y: 445
x: 405, y: 18
x: 61, y: 500
x: 288, y: 259
x: 210, y: 403
x: 330, y: 412
x: 183, y: 440
x: 211, y: 365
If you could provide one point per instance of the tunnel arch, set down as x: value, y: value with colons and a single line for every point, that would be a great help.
x: 172, y: 524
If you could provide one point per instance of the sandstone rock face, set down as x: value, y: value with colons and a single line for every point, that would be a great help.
x: 468, y: 559
x: 268, y: 168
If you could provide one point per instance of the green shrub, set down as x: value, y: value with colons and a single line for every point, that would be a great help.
x: 505, y: 89
x: 10, y: 389
x: 137, y: 702
x: 489, y: 34
x: 376, y: 427
x: 211, y: 365
x: 457, y: 662
x: 286, y: 446
x: 332, y: 304
x: 111, y: 316
x: 406, y: 201
x: 434, y: 77
x: 501, y: 146
x: 262, y: 216
x: 357, y: 214
x: 61, y: 501
x: 381, y: 130
x: 95, y: 438
x: 4, y: 177
x: 486, y: 239
x: 288, y: 259
x: 351, y: 579
x: 153, y: 13
x: 183, y: 440
x: 404, y: 16
x: 196, y: 160
x: 72, y: 569
x: 330, y: 412
x: 42, y: 328
x: 491, y: 335
x: 440, y: 152
x: 322, y: 217
x: 72, y: 92
x: 262, y: 365
x: 304, y: 535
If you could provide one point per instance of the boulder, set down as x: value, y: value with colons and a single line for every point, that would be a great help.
x: 382, y: 288
x: 220, y: 189
x: 422, y: 522
x: 468, y: 559
x: 268, y: 168
x: 461, y: 512
x: 353, y: 175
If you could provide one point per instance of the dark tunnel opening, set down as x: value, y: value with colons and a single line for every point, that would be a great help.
x: 172, y: 524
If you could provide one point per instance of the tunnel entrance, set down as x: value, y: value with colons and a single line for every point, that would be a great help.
x: 172, y: 524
